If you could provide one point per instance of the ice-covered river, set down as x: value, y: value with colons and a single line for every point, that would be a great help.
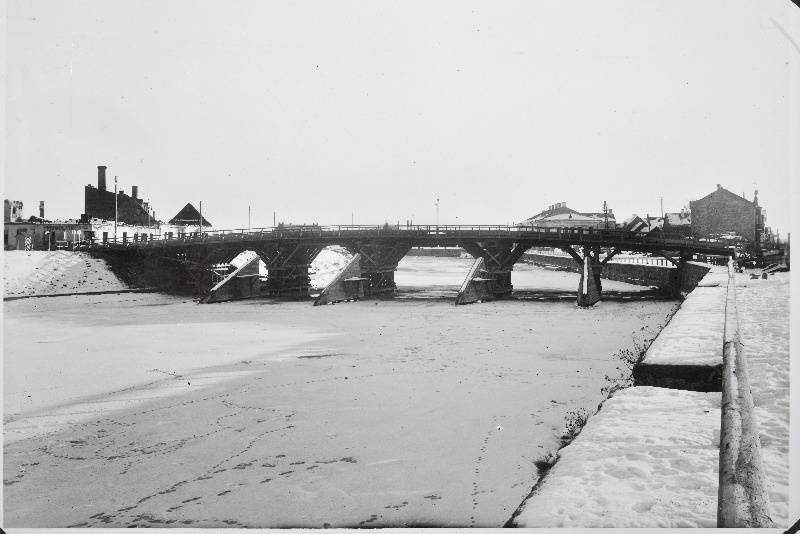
x: 150, y: 410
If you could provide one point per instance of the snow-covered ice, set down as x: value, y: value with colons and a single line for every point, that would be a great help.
x: 271, y: 413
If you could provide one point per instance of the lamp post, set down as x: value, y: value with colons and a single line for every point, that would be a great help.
x: 115, y: 209
x: 437, y: 213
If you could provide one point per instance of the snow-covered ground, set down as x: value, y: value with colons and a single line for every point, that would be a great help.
x: 52, y: 272
x: 763, y: 307
x: 269, y: 413
x: 650, y: 456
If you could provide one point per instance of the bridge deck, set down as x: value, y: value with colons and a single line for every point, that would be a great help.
x: 431, y: 236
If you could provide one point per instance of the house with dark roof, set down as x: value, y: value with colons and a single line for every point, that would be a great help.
x: 188, y: 216
x: 642, y: 225
x: 678, y: 223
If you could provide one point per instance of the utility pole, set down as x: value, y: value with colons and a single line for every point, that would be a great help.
x: 273, y: 220
x: 201, y: 219
x: 437, y: 213
x: 115, y: 209
x: 662, y: 207
x: 248, y: 217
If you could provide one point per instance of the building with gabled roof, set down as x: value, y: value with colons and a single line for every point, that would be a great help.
x: 188, y: 216
x: 725, y: 212
x: 678, y: 223
x: 559, y: 215
x: 642, y: 225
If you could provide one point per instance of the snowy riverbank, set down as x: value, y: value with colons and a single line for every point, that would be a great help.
x: 650, y: 456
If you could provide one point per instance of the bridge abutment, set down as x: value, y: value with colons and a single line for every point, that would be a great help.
x: 369, y: 273
x: 498, y: 262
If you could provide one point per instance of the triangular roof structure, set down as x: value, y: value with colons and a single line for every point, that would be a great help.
x: 561, y: 210
x: 724, y: 191
x: 188, y: 216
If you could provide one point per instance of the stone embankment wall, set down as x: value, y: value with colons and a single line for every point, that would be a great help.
x: 643, y: 275
x: 632, y: 273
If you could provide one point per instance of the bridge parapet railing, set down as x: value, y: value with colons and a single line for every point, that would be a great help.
x: 576, y: 236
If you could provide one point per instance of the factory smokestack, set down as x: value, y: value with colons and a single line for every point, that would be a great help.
x: 134, y: 192
x: 101, y: 177
x: 41, y: 209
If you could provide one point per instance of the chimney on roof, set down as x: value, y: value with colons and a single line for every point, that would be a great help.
x: 41, y: 209
x: 101, y: 177
x: 134, y: 192
x: 563, y: 204
x: 719, y: 187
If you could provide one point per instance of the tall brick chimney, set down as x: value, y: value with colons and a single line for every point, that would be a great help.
x: 101, y: 177
x: 134, y: 192
x: 41, y: 209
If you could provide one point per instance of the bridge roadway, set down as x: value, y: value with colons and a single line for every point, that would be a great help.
x: 199, y: 260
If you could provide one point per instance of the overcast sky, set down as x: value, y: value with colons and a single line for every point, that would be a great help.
x: 320, y: 111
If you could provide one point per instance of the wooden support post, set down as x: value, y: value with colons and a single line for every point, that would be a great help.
x: 378, y: 264
x: 676, y: 276
x: 589, y: 290
x: 288, y: 267
x: 669, y: 258
x: 575, y: 255
x: 608, y: 258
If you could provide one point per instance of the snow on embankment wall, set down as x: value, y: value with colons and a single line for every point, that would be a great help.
x: 647, y: 459
x: 687, y: 354
x: 32, y: 273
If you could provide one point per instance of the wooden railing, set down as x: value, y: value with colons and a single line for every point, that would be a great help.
x: 432, y: 233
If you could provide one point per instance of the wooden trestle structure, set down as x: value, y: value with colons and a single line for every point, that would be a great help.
x: 199, y: 262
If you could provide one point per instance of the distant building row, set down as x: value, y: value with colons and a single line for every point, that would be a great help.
x: 106, y: 215
x: 718, y: 214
